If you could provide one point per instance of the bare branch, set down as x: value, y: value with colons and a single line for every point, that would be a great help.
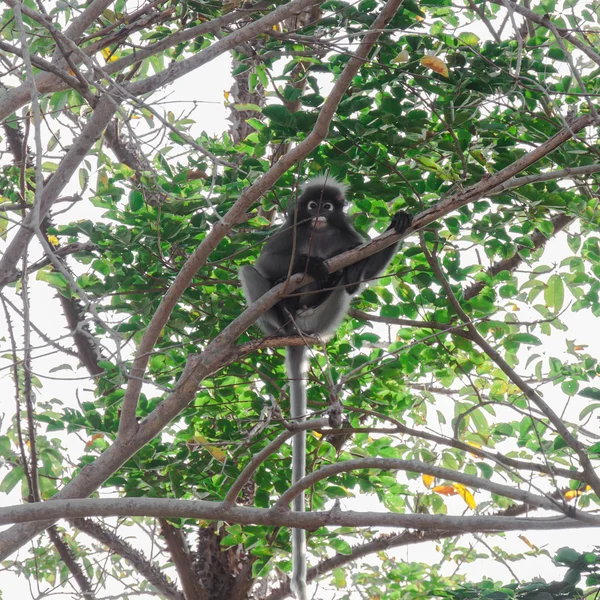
x: 201, y: 509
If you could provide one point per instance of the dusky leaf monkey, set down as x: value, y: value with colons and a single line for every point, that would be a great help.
x: 316, y: 228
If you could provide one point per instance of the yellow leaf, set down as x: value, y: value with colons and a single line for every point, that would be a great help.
x: 435, y: 64
x: 108, y: 55
x: 466, y: 495
x: 515, y: 308
x: 103, y: 178
x: 226, y: 95
x: 428, y: 480
x: 216, y: 453
x: 401, y: 58
x: 53, y: 240
x: 475, y: 445
x: 573, y: 494
x: 444, y: 490
x: 526, y: 541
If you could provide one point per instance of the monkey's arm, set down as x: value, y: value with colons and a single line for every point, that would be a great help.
x: 372, y: 266
x: 276, y: 266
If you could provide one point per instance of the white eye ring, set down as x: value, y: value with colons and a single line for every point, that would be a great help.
x: 312, y: 205
x: 328, y: 206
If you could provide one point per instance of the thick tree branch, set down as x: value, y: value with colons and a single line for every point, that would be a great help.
x: 68, y: 558
x: 180, y: 555
x: 380, y: 544
x: 213, y: 511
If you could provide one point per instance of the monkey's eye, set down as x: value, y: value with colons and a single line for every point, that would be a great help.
x: 312, y: 205
x: 328, y: 206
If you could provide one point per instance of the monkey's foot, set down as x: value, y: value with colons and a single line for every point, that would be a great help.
x: 401, y: 221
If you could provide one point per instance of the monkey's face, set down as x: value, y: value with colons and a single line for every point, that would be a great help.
x: 319, y: 213
x: 320, y: 209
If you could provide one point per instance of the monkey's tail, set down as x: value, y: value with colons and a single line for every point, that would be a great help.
x: 297, y: 371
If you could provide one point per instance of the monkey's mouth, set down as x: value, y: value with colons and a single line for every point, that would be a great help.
x: 319, y: 222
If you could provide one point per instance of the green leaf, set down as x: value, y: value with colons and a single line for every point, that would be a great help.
x: 341, y: 546
x: 569, y: 387
x: 57, y: 280
x: 590, y: 408
x: 525, y: 338
x: 245, y: 107
x: 470, y: 39
x: 554, y: 294
x: 568, y: 556
x: 278, y: 113
x: 11, y: 479
x: 590, y: 392
x: 136, y: 200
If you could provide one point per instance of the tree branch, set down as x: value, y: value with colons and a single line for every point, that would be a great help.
x: 381, y: 543
x: 41, y: 512
x: 592, y: 477
x: 180, y: 555
x: 560, y: 221
x: 68, y: 558
x: 415, y: 466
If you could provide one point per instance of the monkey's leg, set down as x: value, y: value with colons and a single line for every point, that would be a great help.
x: 325, y: 318
x: 254, y: 286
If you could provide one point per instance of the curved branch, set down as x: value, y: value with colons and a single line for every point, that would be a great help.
x: 416, y: 466
x: 261, y: 456
x: 381, y: 543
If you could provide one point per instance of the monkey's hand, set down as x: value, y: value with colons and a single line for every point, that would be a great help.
x: 401, y: 221
x: 313, y: 266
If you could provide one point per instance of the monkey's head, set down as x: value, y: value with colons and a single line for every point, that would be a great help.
x: 321, y: 204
